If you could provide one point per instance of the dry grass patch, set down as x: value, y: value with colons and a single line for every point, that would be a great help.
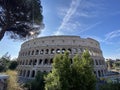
x: 12, y: 81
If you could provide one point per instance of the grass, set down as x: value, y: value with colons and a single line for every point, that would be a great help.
x: 12, y: 80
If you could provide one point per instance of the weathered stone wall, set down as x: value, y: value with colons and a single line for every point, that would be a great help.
x: 37, y: 54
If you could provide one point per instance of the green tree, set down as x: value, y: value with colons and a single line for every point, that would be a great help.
x: 13, y: 65
x: 110, y: 86
x: 76, y: 76
x: 4, y: 62
x: 37, y: 83
x: 20, y: 18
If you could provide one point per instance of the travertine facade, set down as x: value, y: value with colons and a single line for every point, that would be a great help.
x: 37, y: 54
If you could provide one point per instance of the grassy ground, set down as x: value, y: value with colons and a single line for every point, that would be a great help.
x: 12, y: 81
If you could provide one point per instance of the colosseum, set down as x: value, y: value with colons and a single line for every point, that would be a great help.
x: 37, y: 54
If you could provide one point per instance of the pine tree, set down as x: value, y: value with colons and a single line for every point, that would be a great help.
x: 20, y: 18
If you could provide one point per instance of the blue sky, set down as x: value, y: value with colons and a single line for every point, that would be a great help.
x: 98, y: 19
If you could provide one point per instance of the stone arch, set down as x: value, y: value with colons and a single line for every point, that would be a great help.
x: 47, y: 51
x: 28, y: 52
x: 99, y: 73
x: 45, y: 61
x: 28, y: 73
x: 40, y: 61
x: 52, y: 51
x: 96, y: 62
x: 32, y: 52
x: 33, y: 74
x: 44, y: 71
x: 58, y: 51
x: 102, y: 73
x: 69, y: 50
x: 24, y: 73
x: 95, y: 73
x: 42, y: 51
x: 51, y: 60
x: 35, y: 62
x: 30, y: 62
x: 37, y: 52
x: 63, y: 50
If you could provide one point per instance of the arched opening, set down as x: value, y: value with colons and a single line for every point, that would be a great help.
x: 24, y: 73
x: 42, y: 51
x: 35, y: 62
x: 95, y: 73
x: 33, y: 74
x: 32, y: 52
x: 46, y: 51
x: 96, y: 62
x: 28, y: 73
x: 37, y: 52
x: 58, y: 51
x: 46, y: 61
x: 102, y: 73
x: 69, y: 50
x: 99, y: 74
x: 51, y: 61
x: 30, y: 62
x: 44, y: 71
x: 40, y: 61
x: 29, y: 53
x: 52, y: 51
x: 63, y: 50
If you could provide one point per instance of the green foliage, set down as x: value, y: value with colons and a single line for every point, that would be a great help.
x: 13, y: 65
x: 4, y: 62
x: 110, y: 86
x: 20, y: 17
x: 37, y: 83
x: 2, y: 68
x: 66, y: 76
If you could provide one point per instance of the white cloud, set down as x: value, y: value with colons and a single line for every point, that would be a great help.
x: 112, y: 35
x: 71, y: 11
x: 73, y: 16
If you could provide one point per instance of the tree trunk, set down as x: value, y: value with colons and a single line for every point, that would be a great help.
x: 2, y: 33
